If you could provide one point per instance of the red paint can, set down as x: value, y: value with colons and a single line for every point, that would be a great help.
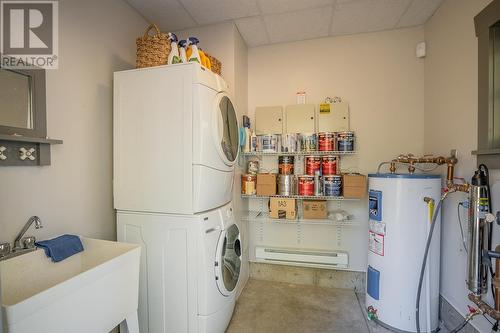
x: 306, y: 185
x: 330, y: 165
x: 313, y: 163
x: 326, y: 141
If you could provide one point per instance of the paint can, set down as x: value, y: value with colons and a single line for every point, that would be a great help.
x: 345, y: 141
x: 289, y: 143
x: 313, y: 163
x: 285, y: 165
x: 326, y: 141
x: 305, y: 185
x: 268, y: 143
x: 248, y: 184
x: 330, y: 165
x: 332, y: 186
x: 286, y: 184
x: 253, y: 167
x: 308, y: 142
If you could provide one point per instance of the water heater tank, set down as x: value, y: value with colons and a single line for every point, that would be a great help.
x: 398, y: 227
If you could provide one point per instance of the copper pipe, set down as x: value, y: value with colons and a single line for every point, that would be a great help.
x: 393, y: 167
x: 484, y: 307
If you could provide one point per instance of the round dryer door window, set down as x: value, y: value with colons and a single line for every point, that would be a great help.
x: 227, y: 129
x: 231, y: 261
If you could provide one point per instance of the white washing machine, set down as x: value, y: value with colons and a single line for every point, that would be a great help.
x: 175, y: 140
x: 190, y: 266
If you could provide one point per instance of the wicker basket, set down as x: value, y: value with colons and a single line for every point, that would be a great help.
x: 152, y: 50
x: 215, y: 63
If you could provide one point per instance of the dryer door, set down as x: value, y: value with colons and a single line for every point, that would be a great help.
x: 225, y: 126
x: 227, y: 270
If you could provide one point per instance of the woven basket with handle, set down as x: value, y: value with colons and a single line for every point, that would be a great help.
x: 215, y: 63
x: 152, y: 50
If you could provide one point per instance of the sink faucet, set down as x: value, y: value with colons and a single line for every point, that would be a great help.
x: 38, y: 224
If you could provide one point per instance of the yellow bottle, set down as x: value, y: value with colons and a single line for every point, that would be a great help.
x: 203, y: 58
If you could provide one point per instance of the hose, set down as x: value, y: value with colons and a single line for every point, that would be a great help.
x: 424, y: 261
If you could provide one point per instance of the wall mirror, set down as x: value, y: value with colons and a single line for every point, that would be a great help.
x: 23, y: 124
x: 22, y: 102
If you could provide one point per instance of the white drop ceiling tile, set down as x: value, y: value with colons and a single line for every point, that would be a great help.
x: 385, y: 14
x: 214, y: 11
x: 350, y: 17
x: 282, y: 6
x: 300, y: 25
x: 357, y: 16
x: 253, y: 30
x: 419, y: 12
x: 169, y: 15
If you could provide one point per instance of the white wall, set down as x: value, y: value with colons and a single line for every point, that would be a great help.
x: 451, y: 122
x: 383, y: 82
x: 74, y: 194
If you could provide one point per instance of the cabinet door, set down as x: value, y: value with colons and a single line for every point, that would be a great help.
x: 300, y: 118
x: 268, y: 120
x: 333, y: 117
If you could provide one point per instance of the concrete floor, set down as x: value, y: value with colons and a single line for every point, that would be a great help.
x: 266, y: 306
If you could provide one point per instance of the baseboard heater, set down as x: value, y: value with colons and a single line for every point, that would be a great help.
x: 335, y: 259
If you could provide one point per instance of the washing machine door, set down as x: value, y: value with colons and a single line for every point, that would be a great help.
x: 225, y: 126
x: 227, y: 270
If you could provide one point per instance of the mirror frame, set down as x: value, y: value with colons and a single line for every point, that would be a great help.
x: 38, y: 105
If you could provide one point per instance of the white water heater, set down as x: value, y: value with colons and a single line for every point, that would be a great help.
x: 399, y: 223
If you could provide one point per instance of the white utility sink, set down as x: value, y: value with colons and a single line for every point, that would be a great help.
x: 90, y: 292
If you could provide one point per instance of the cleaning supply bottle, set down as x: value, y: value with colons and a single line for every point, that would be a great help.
x: 182, y: 50
x: 195, y: 55
x: 173, y: 56
x: 203, y: 57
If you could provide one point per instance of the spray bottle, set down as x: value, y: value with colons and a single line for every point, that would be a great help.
x: 182, y: 50
x: 195, y: 55
x: 173, y: 56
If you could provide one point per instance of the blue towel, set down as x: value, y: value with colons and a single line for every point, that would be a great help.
x: 61, y: 247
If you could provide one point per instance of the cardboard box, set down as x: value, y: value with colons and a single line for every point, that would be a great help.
x: 266, y: 183
x: 280, y: 208
x: 314, y: 209
x: 354, y: 186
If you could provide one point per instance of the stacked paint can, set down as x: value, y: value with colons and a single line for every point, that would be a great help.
x: 268, y: 143
x: 289, y: 143
x: 249, y: 184
x: 326, y: 141
x: 345, y: 141
x: 332, y: 185
x: 286, y: 178
x: 313, y: 163
x: 308, y: 142
x: 329, y: 165
x: 305, y: 185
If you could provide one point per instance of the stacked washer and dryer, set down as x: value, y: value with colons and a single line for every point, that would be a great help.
x: 175, y: 145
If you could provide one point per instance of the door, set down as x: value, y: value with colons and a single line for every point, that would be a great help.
x: 300, y: 118
x: 228, y: 262
x: 226, y: 129
x: 268, y: 120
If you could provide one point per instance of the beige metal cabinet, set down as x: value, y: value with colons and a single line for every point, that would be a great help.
x: 333, y: 117
x: 300, y: 118
x: 268, y: 120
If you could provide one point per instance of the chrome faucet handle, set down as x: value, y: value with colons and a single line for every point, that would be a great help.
x: 29, y: 242
x: 4, y: 249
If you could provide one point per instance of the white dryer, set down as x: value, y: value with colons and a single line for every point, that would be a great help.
x: 190, y: 267
x: 175, y: 140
